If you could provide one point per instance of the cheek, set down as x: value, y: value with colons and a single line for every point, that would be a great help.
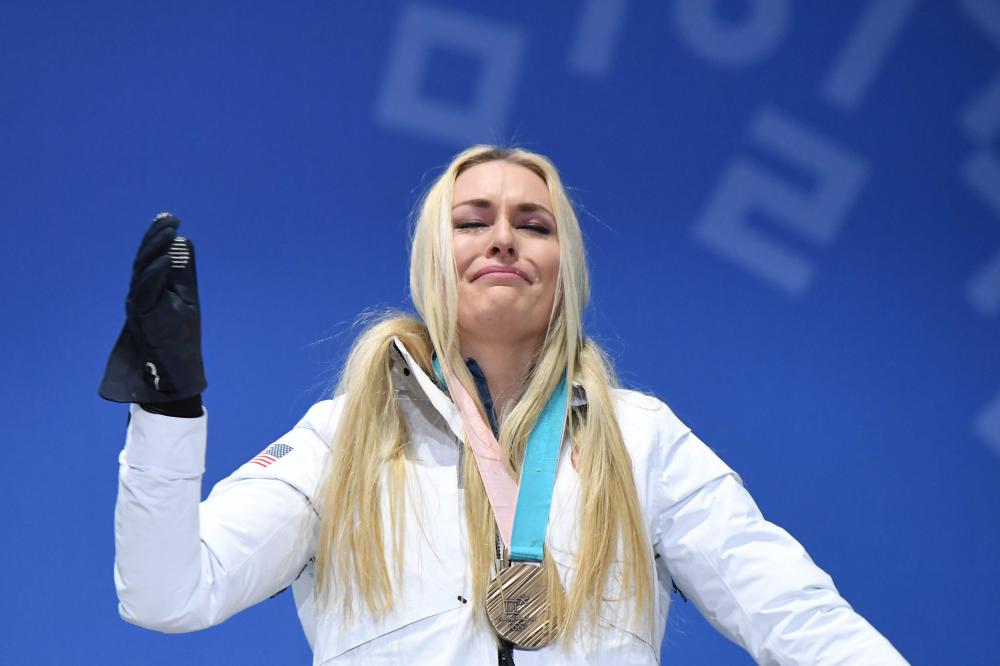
x: 464, y: 252
x: 548, y: 265
x: 550, y: 262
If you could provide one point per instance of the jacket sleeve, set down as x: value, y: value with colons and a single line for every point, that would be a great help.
x: 748, y: 577
x: 182, y: 565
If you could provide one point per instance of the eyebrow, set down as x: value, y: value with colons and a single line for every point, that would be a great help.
x: 521, y: 208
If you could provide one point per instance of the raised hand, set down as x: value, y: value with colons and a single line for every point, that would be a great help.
x: 157, y: 358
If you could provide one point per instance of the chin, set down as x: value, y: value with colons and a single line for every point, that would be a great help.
x: 498, y: 319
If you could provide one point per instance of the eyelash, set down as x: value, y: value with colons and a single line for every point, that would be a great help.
x: 536, y: 227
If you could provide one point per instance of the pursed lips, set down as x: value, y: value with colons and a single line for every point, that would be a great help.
x: 508, y: 270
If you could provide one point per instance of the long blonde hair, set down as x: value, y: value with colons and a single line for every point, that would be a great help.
x: 368, y: 447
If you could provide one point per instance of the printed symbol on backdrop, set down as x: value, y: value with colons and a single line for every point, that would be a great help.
x: 271, y: 454
x: 732, y: 43
x: 496, y: 50
x: 596, y: 36
x: 981, y: 174
x: 717, y: 39
x: 985, y: 14
x: 987, y: 425
x: 752, y: 193
x: 865, y: 51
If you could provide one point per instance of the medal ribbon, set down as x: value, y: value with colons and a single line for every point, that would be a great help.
x: 521, y: 509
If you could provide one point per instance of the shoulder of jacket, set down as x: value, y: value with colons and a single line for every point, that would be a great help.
x: 298, y: 457
x: 322, y: 418
x: 630, y: 399
x: 637, y: 408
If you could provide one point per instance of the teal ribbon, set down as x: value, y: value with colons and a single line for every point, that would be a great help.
x: 538, y: 474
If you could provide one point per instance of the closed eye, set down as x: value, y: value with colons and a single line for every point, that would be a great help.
x: 537, y: 227
x: 470, y: 224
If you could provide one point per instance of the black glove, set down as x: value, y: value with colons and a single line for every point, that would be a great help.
x: 157, y: 358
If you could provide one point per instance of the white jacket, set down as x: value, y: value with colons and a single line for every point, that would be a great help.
x: 182, y: 565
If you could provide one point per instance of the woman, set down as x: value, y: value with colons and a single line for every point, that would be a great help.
x: 477, y: 491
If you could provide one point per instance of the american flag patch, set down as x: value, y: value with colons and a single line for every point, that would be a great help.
x: 270, y: 454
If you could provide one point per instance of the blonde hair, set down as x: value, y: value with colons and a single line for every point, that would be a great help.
x: 368, y: 446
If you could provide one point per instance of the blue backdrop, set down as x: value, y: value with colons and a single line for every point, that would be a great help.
x: 793, y: 216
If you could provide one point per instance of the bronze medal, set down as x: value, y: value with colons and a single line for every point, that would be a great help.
x: 518, y: 606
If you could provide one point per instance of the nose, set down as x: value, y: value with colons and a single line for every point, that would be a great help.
x: 502, y: 240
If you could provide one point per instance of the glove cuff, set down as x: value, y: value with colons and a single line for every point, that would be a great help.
x: 188, y: 408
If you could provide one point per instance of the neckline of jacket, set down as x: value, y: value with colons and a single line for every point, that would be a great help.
x: 442, y: 402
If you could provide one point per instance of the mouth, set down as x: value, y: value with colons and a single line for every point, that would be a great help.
x: 501, y: 272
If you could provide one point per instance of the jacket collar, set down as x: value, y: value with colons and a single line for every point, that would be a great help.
x: 442, y: 402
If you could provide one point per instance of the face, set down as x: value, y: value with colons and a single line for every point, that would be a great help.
x: 506, y: 251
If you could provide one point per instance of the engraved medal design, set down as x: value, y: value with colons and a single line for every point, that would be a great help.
x: 518, y: 608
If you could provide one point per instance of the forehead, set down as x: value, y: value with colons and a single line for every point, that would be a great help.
x: 501, y: 180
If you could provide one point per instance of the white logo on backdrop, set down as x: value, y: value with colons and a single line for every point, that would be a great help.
x: 596, y: 36
x: 981, y: 174
x: 722, y: 42
x: 864, y: 52
x: 751, y: 192
x: 748, y: 189
x: 404, y: 102
x: 987, y: 425
x: 732, y: 43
